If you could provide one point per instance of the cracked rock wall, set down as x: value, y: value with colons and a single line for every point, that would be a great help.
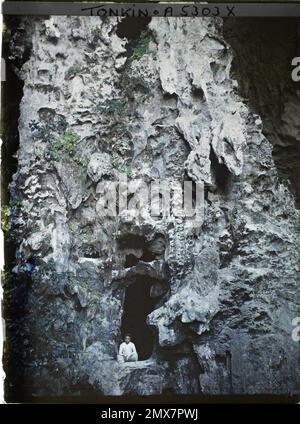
x: 164, y: 105
x: 262, y: 52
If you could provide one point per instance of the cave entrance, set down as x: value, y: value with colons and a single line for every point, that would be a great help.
x: 132, y: 27
x: 138, y: 305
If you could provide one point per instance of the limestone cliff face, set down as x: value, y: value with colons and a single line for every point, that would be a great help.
x: 221, y: 296
x: 263, y: 49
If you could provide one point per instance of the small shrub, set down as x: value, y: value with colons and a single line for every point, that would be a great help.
x: 141, y: 47
x: 128, y: 171
x: 66, y: 146
x: 74, y: 70
x: 113, y: 106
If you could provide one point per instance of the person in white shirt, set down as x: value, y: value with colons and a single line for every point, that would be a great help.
x: 127, y: 351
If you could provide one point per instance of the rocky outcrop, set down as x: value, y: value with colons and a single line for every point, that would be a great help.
x: 98, y: 107
x: 263, y: 52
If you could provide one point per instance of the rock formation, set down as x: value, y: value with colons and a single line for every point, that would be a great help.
x: 210, y: 307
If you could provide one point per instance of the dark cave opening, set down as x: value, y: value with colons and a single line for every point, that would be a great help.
x: 151, y: 250
x: 148, y: 256
x: 220, y: 172
x: 132, y: 260
x: 132, y: 241
x: 132, y: 27
x: 138, y: 305
x: 134, y: 30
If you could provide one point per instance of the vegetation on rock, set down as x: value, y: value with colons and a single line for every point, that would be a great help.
x: 66, y: 146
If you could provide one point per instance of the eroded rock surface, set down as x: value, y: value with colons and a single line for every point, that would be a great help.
x: 164, y: 105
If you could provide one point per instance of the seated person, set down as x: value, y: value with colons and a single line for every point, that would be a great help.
x: 127, y: 351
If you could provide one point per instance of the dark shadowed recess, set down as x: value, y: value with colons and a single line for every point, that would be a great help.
x: 220, y: 172
x: 263, y: 51
x: 15, y: 289
x: 137, y: 306
x: 131, y: 28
